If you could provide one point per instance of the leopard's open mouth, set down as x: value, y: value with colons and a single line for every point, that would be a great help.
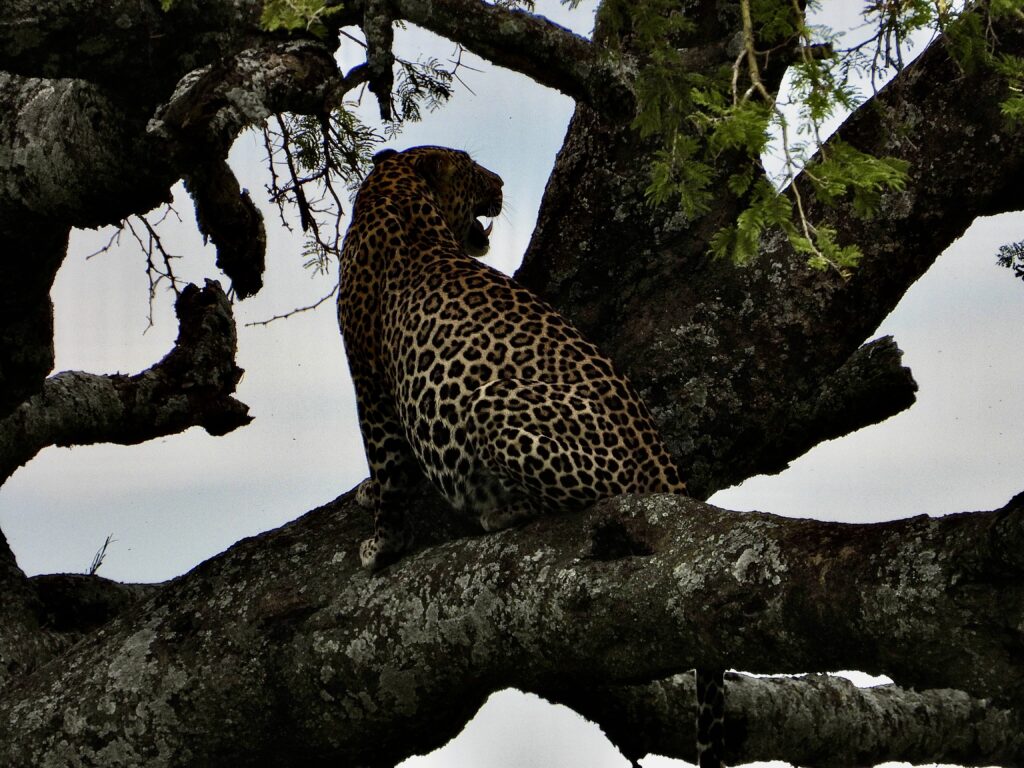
x: 478, y: 236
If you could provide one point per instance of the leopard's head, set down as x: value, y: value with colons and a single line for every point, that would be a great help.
x: 462, y: 190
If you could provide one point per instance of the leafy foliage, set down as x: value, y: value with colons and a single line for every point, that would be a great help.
x: 1011, y: 256
x: 426, y: 82
x: 717, y: 128
x: 1012, y: 68
x: 306, y: 154
x: 846, y: 171
x: 291, y: 15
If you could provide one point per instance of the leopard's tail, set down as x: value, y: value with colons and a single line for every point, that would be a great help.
x: 710, y: 718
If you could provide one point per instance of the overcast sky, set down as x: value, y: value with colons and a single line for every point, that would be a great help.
x: 174, y: 502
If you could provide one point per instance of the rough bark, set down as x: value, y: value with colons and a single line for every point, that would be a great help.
x: 283, y: 651
x: 23, y: 643
x: 133, y: 47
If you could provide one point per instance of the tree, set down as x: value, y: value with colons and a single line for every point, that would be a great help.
x: 281, y: 651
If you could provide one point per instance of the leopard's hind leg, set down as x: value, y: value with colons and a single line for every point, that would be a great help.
x: 553, y: 444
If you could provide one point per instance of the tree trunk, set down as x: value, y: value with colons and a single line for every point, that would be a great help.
x: 729, y: 358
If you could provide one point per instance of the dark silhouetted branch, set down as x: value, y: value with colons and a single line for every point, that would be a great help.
x: 191, y: 386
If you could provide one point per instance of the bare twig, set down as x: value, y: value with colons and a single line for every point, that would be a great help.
x: 305, y: 218
x: 296, y: 311
x: 151, y: 245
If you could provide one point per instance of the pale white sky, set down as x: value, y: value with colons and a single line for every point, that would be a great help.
x: 173, y: 502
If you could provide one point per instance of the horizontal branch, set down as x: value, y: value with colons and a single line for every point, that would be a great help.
x: 136, y: 48
x: 190, y: 386
x: 312, y: 660
x: 818, y: 720
x: 524, y: 42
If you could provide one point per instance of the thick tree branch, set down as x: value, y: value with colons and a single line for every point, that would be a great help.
x: 71, y: 154
x: 311, y: 660
x: 133, y: 47
x: 212, y: 105
x: 75, y: 604
x: 46, y: 615
x: 191, y: 386
x: 868, y: 388
x: 540, y: 49
x: 816, y: 720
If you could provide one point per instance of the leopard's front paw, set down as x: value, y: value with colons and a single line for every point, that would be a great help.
x: 385, y: 547
x: 371, y: 554
x: 367, y: 494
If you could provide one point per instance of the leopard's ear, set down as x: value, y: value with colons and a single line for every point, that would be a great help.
x: 383, y: 155
x: 435, y: 167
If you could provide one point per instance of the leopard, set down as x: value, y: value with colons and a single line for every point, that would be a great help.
x: 465, y: 376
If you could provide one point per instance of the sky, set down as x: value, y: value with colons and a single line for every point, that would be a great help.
x: 173, y: 502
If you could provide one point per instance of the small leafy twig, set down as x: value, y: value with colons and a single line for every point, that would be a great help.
x: 291, y: 15
x: 1011, y: 256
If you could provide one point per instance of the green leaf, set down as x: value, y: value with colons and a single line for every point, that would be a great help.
x: 740, y: 181
x: 744, y: 128
x: 846, y: 170
x: 1013, y: 109
x: 679, y: 174
x: 291, y: 15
